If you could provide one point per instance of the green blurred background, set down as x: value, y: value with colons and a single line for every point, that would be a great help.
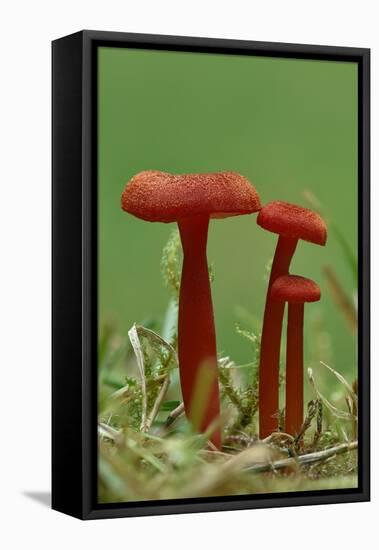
x: 289, y: 126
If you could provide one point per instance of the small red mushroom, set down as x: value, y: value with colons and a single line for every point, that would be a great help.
x: 291, y: 223
x: 296, y: 291
x: 191, y: 200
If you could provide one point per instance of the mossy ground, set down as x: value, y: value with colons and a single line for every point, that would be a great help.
x: 147, y: 450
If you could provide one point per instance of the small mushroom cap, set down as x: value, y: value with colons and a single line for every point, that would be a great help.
x: 291, y: 220
x: 161, y: 197
x: 295, y: 290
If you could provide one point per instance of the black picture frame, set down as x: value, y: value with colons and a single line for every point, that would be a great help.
x: 74, y: 273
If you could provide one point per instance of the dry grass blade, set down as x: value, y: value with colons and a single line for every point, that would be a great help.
x: 154, y: 338
x: 136, y: 344
x: 110, y: 433
x: 176, y: 413
x: 336, y: 412
x: 156, y: 341
x: 341, y: 299
x: 158, y: 402
x: 344, y: 382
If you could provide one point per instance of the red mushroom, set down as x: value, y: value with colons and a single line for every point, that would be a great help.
x: 292, y: 223
x: 191, y: 200
x: 296, y: 291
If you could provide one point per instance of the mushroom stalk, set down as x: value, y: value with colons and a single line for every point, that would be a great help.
x: 270, y: 342
x: 196, y: 331
x: 191, y: 200
x: 294, y: 369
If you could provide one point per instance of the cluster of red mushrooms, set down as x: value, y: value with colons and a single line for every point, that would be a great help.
x: 191, y: 200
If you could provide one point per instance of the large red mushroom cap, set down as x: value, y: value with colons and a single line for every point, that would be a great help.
x: 161, y: 197
x: 291, y: 220
x: 295, y: 290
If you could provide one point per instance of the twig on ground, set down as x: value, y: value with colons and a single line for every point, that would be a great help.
x: 303, y: 460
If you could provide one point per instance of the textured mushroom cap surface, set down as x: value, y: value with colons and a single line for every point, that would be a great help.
x: 291, y: 220
x: 295, y: 290
x: 161, y: 197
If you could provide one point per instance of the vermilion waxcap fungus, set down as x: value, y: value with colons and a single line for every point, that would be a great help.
x: 291, y: 223
x: 161, y: 197
x: 191, y: 200
x: 296, y: 291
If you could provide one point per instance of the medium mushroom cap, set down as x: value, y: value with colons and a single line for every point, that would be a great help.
x: 295, y: 290
x: 293, y: 221
x: 161, y: 197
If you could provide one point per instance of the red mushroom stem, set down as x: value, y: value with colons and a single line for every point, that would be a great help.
x: 196, y: 331
x: 294, y: 370
x: 270, y: 342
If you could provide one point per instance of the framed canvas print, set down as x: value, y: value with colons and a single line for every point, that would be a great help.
x: 210, y: 274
